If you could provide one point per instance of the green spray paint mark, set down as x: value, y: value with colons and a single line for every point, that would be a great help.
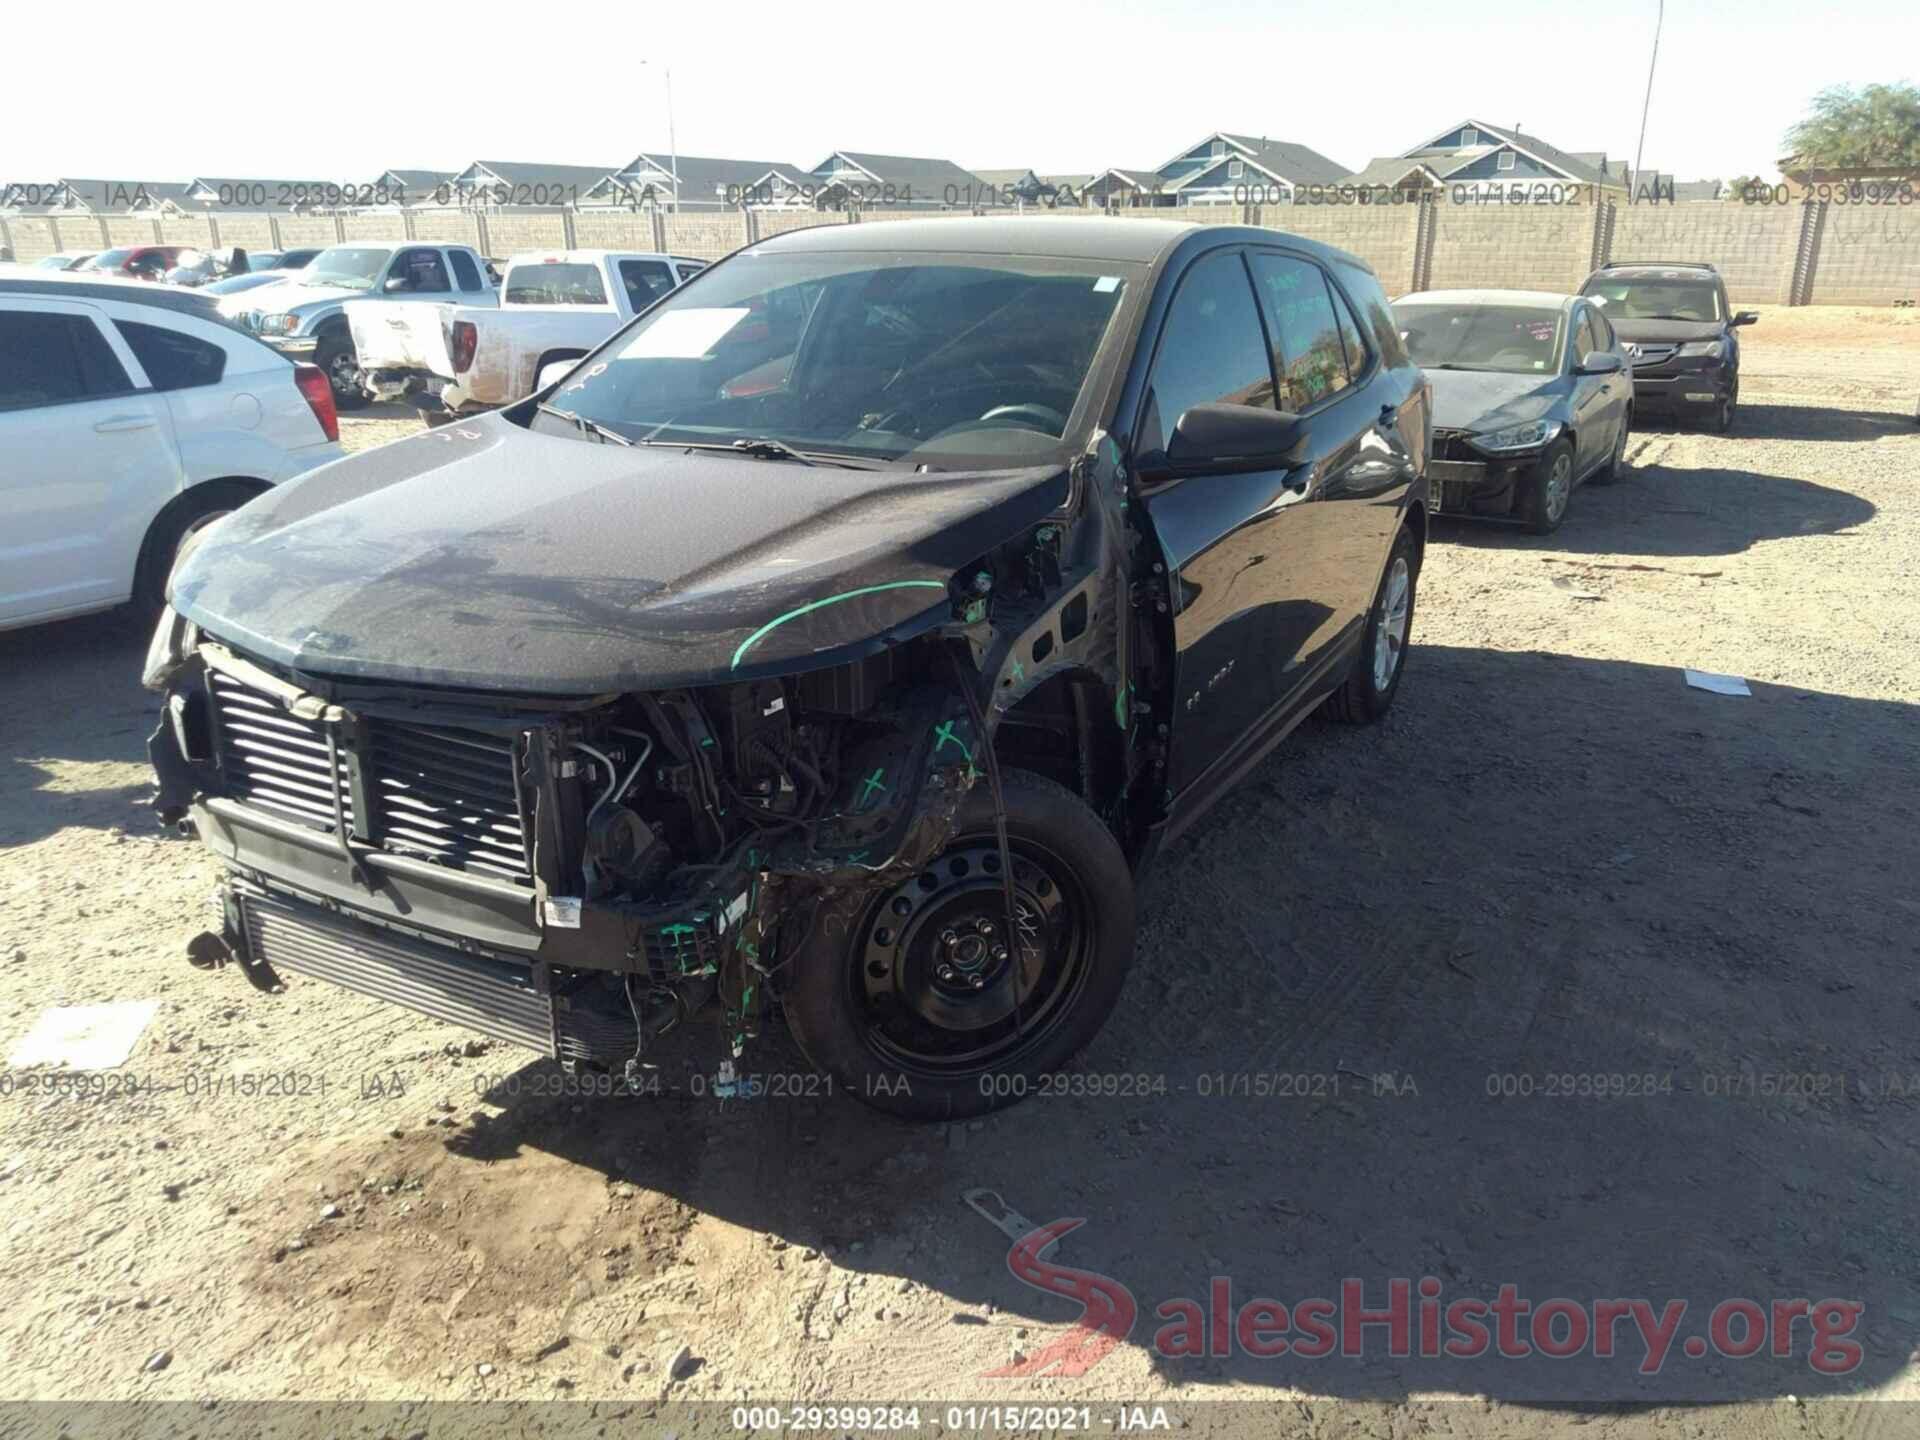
x: 1018, y: 672
x: 871, y: 784
x: 706, y: 740
x: 779, y: 620
x: 943, y: 736
x: 856, y: 857
x: 1120, y: 705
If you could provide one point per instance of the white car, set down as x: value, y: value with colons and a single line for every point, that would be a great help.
x: 131, y: 416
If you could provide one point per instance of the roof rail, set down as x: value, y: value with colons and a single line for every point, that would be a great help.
x: 1669, y: 264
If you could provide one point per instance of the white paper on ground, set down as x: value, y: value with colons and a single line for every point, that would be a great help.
x: 85, y: 1037
x: 1718, y: 684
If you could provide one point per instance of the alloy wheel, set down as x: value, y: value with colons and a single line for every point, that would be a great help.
x: 1396, y: 600
x: 1559, y: 486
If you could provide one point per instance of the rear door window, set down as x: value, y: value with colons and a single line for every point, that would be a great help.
x: 173, y: 361
x: 1310, y: 356
x: 51, y: 359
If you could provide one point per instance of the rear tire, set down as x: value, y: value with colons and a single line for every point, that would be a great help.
x: 1548, y: 490
x: 1368, y: 691
x: 1616, y: 464
x: 340, y: 363
x: 885, y: 1004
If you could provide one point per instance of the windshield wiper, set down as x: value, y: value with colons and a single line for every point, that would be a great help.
x: 586, y: 426
x: 769, y: 450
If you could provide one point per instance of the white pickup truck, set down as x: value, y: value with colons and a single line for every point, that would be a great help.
x: 554, y: 305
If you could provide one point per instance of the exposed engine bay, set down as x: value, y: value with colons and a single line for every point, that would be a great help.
x: 580, y: 874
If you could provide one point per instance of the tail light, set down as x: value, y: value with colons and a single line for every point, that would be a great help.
x: 314, y: 385
x: 466, y: 339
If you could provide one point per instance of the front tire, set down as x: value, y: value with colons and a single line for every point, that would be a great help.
x: 340, y: 363
x: 1548, y: 490
x: 919, y: 1005
x: 1368, y: 692
x: 174, y: 533
x: 1723, y: 412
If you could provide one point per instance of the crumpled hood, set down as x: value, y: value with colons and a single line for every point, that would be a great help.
x: 485, y: 556
x: 1486, y: 399
x: 1665, y: 331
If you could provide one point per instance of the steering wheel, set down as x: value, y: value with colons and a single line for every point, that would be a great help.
x: 1049, y: 417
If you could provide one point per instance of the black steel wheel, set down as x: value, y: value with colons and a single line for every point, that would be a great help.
x: 929, y: 1008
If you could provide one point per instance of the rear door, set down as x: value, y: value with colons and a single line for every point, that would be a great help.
x: 1235, y: 550
x: 89, y: 460
x: 1356, y: 463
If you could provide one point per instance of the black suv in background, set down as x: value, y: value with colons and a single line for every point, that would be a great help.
x: 1674, y: 314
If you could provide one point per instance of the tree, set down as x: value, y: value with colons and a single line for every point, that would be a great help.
x: 1874, y: 126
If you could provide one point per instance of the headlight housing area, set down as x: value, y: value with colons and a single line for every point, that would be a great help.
x: 1702, y: 350
x: 1530, y: 436
x: 279, y: 324
x: 174, y: 638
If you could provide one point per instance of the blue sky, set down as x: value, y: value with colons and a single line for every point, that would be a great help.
x: 312, y: 91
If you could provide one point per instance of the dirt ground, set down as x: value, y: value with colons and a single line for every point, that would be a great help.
x: 1554, y: 860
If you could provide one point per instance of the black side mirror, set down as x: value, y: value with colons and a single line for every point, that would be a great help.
x: 1227, y: 439
x: 1747, y: 317
x: 1598, y: 362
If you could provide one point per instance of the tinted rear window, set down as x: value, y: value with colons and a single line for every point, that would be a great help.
x: 173, y: 361
x: 54, y: 359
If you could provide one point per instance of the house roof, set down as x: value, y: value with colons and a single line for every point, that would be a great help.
x: 926, y: 176
x: 1390, y: 170
x: 420, y: 179
x: 701, y: 175
x: 1298, y: 163
x: 1139, y: 176
x: 118, y: 197
x: 1573, y: 166
x: 534, y: 173
x: 227, y: 192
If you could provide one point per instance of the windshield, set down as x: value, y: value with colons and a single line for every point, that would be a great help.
x: 1657, y: 299
x: 53, y: 262
x: 350, y: 267
x: 1520, y: 339
x: 937, y: 359
x: 109, y: 259
x: 555, y: 284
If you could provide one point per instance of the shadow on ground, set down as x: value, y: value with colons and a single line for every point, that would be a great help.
x: 1605, y: 996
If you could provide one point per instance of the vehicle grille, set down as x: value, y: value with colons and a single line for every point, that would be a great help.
x: 440, y: 793
x: 495, y: 997
x: 1648, y: 356
x: 1452, y: 445
x: 448, y: 795
x: 276, y: 760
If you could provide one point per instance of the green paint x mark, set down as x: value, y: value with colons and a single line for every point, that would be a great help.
x: 871, y: 784
x: 779, y: 620
x: 943, y: 736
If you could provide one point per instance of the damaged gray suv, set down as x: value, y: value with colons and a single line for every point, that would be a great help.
x: 838, y: 639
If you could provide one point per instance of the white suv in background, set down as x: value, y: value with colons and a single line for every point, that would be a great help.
x: 131, y: 416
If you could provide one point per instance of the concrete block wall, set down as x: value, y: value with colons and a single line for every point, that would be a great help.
x: 33, y: 238
x: 446, y: 227
x: 778, y: 222
x: 1381, y: 235
x: 511, y: 231
x: 127, y: 230
x: 1512, y: 247
x: 704, y: 237
x: 614, y: 230
x: 1866, y: 255
x: 306, y: 230
x: 186, y: 230
x: 1753, y: 245
x: 377, y: 226
x: 250, y: 232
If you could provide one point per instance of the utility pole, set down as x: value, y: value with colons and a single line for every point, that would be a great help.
x: 1640, y: 150
x: 673, y: 145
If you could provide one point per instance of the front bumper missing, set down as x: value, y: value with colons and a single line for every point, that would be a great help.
x: 1477, y: 487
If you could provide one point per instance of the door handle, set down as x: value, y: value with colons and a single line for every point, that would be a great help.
x: 115, y: 423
